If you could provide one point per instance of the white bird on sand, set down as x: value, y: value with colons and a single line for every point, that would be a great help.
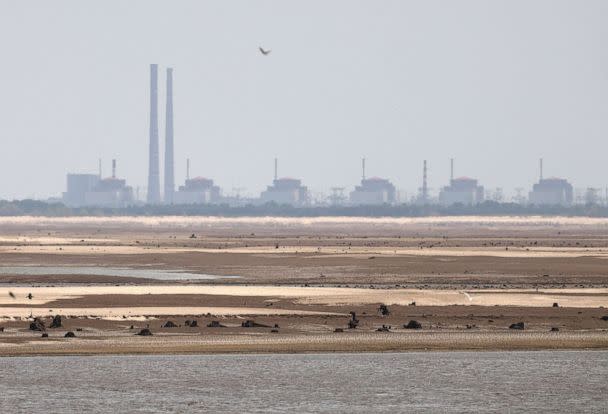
x: 264, y: 51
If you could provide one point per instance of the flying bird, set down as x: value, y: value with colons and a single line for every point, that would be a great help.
x: 11, y: 294
x: 264, y: 51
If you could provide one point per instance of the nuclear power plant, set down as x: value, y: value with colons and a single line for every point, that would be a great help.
x: 112, y: 192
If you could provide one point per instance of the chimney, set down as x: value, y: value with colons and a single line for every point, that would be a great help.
x: 153, y: 166
x: 451, y: 170
x: 276, y: 169
x: 362, y: 169
x: 113, y: 168
x: 100, y: 168
x: 169, y: 168
x: 424, y: 186
x: 187, y: 168
x: 541, y: 169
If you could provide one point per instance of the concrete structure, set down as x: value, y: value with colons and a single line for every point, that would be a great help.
x: 551, y: 191
x: 423, y: 192
x: 153, y: 165
x: 110, y: 192
x: 373, y: 190
x: 77, y: 187
x: 463, y: 190
x: 197, y: 190
x: 285, y: 191
x: 169, y: 166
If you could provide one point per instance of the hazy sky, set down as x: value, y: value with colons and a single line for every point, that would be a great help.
x: 494, y: 84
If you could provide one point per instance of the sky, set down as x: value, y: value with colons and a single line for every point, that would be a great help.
x: 493, y: 84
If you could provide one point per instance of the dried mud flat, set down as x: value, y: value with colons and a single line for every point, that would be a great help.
x: 465, y: 280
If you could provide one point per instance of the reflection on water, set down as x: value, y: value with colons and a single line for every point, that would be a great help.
x: 548, y: 381
x: 158, y: 274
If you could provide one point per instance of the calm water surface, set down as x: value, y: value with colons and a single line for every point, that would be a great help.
x: 157, y: 274
x: 438, y: 382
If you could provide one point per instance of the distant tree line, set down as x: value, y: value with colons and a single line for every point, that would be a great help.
x: 488, y: 208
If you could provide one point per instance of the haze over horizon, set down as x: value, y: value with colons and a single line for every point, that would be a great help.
x: 495, y: 85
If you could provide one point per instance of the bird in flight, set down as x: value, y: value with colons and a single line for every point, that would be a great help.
x: 264, y: 51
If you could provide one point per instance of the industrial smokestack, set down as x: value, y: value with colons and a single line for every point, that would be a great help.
x: 451, y: 170
x: 276, y: 169
x: 100, y: 168
x: 153, y: 166
x: 362, y: 168
x: 113, y: 168
x: 541, y: 168
x: 424, y: 186
x: 187, y: 168
x: 169, y: 167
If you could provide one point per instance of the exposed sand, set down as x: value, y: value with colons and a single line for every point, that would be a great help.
x: 340, y: 342
x: 470, y: 278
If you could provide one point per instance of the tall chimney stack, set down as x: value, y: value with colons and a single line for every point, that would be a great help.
x: 276, y: 169
x: 100, y: 168
x: 187, y: 168
x: 113, y: 168
x: 424, y: 186
x: 541, y: 168
x: 362, y: 168
x: 169, y: 166
x: 451, y: 170
x: 153, y: 166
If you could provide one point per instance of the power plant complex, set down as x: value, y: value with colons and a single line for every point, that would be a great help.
x: 84, y: 190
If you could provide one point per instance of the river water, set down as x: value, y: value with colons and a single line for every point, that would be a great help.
x: 438, y: 382
x: 157, y: 274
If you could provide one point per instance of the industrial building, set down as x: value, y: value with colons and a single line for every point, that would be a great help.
x: 463, y: 190
x: 551, y: 191
x: 110, y: 192
x: 285, y: 191
x: 372, y: 190
x: 197, y: 190
x: 77, y: 187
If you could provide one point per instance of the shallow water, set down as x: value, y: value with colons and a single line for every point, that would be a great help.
x: 157, y: 274
x: 451, y: 382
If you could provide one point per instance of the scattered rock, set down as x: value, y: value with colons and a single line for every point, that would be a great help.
x: 69, y: 334
x: 191, y: 323
x: 78, y: 329
x: 56, y: 322
x: 169, y: 324
x: 37, y: 325
x: 274, y: 331
x: 413, y: 325
x: 45, y: 335
x: 338, y: 330
x: 383, y: 310
x: 518, y: 325
x: 215, y: 324
x: 276, y: 326
x: 605, y: 318
x: 555, y: 305
x: 352, y: 324
x: 413, y: 304
x: 144, y: 332
x: 384, y: 328
x: 131, y: 327
x: 1, y: 328
x: 554, y: 329
x: 193, y: 236
x: 253, y: 324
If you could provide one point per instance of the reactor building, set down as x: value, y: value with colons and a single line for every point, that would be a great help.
x: 89, y: 190
x: 462, y: 190
x: 551, y: 191
x: 197, y: 190
x: 285, y: 191
x: 372, y: 191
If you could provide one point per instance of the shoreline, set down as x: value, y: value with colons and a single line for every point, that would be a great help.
x: 347, y: 342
